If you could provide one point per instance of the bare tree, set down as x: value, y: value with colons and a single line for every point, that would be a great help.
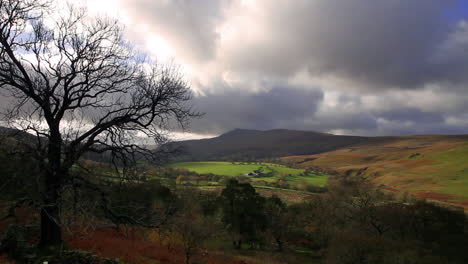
x: 75, y: 83
x: 190, y: 226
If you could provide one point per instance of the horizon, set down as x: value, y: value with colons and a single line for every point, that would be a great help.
x: 179, y: 137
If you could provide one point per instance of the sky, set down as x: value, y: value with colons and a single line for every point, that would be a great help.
x: 356, y: 67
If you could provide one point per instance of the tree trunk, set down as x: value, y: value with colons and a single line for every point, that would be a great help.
x: 279, y: 243
x: 51, y: 232
x: 237, y: 244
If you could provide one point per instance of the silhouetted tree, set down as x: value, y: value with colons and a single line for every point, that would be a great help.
x: 79, y: 87
x: 243, y: 212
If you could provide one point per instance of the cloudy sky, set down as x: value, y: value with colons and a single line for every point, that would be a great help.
x: 360, y: 67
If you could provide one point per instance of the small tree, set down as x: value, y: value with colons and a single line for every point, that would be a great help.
x: 147, y: 202
x: 180, y: 179
x: 190, y: 225
x: 278, y: 220
x: 79, y: 87
x: 243, y: 212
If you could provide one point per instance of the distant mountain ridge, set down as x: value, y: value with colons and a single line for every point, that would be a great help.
x: 240, y: 144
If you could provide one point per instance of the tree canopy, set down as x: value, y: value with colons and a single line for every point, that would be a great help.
x: 243, y: 212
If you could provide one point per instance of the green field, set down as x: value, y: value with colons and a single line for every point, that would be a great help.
x: 275, y: 171
x: 451, y: 171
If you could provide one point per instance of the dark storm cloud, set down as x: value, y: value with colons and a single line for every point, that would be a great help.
x: 382, y: 43
x: 412, y: 115
x: 421, y: 128
x: 277, y: 107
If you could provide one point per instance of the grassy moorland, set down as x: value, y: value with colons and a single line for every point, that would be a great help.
x: 433, y: 167
x: 273, y: 172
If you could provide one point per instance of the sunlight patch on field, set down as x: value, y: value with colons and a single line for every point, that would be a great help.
x: 276, y: 171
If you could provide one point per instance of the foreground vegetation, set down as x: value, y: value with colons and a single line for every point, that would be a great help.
x: 147, y: 222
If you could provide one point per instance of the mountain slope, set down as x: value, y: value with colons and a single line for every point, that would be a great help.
x: 433, y: 167
x: 241, y: 144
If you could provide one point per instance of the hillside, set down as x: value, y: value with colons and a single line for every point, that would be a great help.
x: 434, y: 167
x: 241, y: 144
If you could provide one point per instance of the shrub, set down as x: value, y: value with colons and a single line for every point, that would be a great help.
x: 315, y: 189
x: 75, y: 257
x: 14, y: 242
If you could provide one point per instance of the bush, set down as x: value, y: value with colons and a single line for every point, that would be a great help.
x: 315, y: 189
x: 14, y: 242
x: 142, y: 203
x: 75, y: 257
